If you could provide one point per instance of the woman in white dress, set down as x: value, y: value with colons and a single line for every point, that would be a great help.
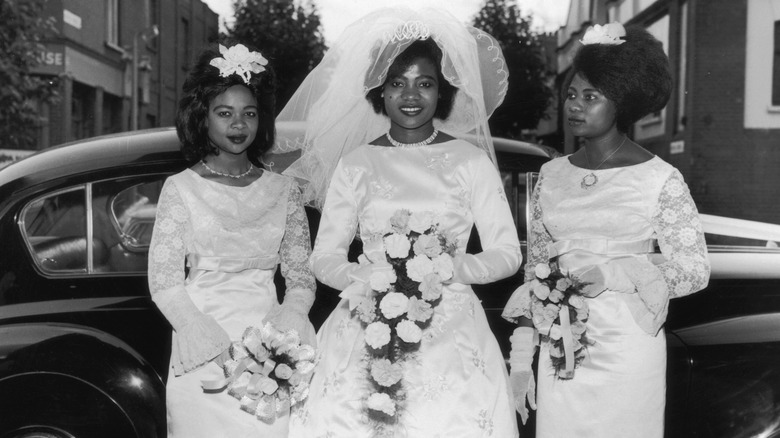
x: 398, y: 83
x: 598, y: 213
x: 232, y: 223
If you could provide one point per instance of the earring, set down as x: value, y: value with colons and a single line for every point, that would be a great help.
x: 382, y: 95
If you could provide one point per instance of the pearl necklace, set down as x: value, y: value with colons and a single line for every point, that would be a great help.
x: 591, y: 179
x: 425, y: 142
x: 215, y: 172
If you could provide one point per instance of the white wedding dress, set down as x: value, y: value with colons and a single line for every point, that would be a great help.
x: 456, y: 384
x: 619, y: 389
x: 233, y: 239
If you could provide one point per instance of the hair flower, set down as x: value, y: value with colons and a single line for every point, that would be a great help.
x: 608, y: 34
x: 239, y: 60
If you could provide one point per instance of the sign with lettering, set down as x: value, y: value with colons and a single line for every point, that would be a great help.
x: 51, y: 61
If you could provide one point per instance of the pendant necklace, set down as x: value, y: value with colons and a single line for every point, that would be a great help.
x: 591, y: 179
x: 425, y: 142
x: 216, y: 172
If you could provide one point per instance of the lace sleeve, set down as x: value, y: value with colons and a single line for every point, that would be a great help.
x: 295, y: 250
x: 681, y: 238
x: 538, y: 238
x: 198, y: 338
x: 336, y: 231
x: 167, y: 247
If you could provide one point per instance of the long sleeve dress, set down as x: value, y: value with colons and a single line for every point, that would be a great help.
x: 231, y: 239
x: 619, y: 389
x: 456, y: 384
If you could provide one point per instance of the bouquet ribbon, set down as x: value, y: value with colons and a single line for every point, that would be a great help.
x: 568, y: 340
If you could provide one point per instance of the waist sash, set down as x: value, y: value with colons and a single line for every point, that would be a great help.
x: 231, y: 264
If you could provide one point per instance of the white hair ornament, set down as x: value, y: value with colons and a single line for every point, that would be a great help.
x: 239, y: 60
x: 609, y: 34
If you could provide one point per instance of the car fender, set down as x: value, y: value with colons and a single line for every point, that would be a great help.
x: 77, y: 378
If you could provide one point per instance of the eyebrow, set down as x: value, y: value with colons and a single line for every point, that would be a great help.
x: 231, y: 107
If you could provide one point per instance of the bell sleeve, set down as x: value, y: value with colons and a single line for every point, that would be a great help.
x: 198, y: 338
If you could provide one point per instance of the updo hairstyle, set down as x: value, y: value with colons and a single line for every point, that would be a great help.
x: 426, y: 49
x: 634, y: 75
x: 202, y: 85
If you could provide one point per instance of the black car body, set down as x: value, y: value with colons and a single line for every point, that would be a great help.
x: 84, y: 351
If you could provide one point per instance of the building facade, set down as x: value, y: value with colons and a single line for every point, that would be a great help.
x: 98, y: 46
x: 721, y: 128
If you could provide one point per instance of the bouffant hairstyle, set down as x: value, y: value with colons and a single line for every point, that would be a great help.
x: 202, y: 85
x: 426, y: 49
x: 634, y: 75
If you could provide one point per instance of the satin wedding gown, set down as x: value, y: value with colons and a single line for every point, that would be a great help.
x: 456, y: 384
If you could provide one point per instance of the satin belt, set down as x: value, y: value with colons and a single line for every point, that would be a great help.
x: 231, y: 264
x: 602, y: 246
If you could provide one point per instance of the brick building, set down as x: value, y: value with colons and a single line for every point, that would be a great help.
x: 92, y: 58
x: 721, y: 127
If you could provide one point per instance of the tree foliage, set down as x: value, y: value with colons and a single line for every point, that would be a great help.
x: 289, y: 35
x: 22, y: 28
x: 528, y: 94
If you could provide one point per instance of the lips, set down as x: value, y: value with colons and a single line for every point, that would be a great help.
x: 237, y: 139
x: 575, y: 121
x: 411, y: 110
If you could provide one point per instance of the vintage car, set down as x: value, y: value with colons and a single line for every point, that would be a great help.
x: 84, y: 351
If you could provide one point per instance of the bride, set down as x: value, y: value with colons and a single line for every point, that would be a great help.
x: 383, y: 111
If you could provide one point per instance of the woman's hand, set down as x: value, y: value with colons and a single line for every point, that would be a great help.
x: 608, y: 276
x: 285, y: 317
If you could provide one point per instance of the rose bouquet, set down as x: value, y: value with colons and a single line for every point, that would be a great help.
x: 417, y: 259
x: 559, y: 312
x: 268, y: 371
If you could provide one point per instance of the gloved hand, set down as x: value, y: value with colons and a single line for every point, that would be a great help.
x: 598, y: 278
x: 521, y: 375
x: 293, y: 314
x: 367, y: 277
x: 199, y: 338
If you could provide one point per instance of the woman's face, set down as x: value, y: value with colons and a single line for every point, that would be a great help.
x: 410, y: 97
x: 232, y: 120
x: 588, y: 111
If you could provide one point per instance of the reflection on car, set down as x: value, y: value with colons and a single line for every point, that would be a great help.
x: 84, y: 352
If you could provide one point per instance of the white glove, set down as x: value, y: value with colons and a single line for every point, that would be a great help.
x: 521, y: 375
x: 199, y: 338
x: 598, y: 278
x: 293, y: 314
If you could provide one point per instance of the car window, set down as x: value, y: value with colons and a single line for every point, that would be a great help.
x: 95, y: 228
x: 55, y: 228
x: 124, y: 212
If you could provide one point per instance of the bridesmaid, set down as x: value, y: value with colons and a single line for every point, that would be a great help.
x: 232, y: 223
x: 598, y: 213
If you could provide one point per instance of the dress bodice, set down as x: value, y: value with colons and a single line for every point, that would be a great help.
x: 454, y: 180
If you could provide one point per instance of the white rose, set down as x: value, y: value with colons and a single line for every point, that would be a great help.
x: 421, y: 222
x: 443, y: 266
x: 418, y: 267
x: 397, y: 246
x: 381, y: 279
x: 393, y: 305
x: 379, y: 401
x: 377, y: 335
x: 283, y: 371
x: 409, y: 332
x: 542, y: 270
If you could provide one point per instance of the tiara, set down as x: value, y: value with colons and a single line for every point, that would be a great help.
x: 410, y: 30
x: 239, y: 60
x: 608, y: 34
